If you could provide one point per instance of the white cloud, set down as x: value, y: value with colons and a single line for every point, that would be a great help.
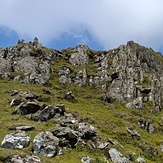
x: 111, y: 22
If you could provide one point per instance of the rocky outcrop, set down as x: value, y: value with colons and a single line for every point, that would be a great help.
x: 27, y: 62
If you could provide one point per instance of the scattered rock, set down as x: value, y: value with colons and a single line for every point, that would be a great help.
x: 47, y: 113
x: 16, y: 101
x: 22, y: 159
x: 70, y: 97
x: 22, y: 127
x: 16, y: 140
x: 147, y: 126
x: 27, y: 108
x: 140, y: 160
x: 67, y: 136
x: 117, y: 157
x: 133, y: 133
x: 152, y: 150
x: 86, y: 159
x: 86, y: 131
x: 45, y: 144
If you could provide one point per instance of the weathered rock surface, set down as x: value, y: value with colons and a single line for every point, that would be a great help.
x: 117, y: 157
x: 86, y: 159
x: 16, y: 140
x: 45, y: 144
x: 22, y: 159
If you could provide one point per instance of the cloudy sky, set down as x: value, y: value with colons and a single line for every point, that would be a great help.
x: 101, y: 24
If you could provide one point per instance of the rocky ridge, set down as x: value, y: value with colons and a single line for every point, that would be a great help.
x: 130, y: 74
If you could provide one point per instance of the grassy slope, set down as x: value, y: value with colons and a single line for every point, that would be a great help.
x: 104, y: 116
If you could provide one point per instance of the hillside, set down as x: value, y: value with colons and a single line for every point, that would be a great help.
x: 81, y: 105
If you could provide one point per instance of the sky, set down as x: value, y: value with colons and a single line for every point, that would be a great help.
x: 100, y: 24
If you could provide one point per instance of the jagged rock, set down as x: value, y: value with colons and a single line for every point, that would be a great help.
x: 22, y: 127
x: 68, y: 120
x: 133, y: 133
x: 45, y: 144
x: 27, y: 108
x: 103, y: 145
x: 80, y: 56
x: 140, y: 160
x: 22, y: 159
x: 81, y: 78
x: 117, y: 157
x: 147, y: 126
x: 67, y: 136
x: 64, y: 71
x: 16, y: 101
x: 47, y: 113
x: 86, y: 131
x: 86, y: 159
x: 17, y: 140
x: 152, y: 150
x: 70, y: 97
x: 136, y: 104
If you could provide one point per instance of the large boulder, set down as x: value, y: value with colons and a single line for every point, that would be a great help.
x: 16, y: 140
x: 45, y: 144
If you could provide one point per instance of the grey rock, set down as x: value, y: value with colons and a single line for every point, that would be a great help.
x: 103, y: 145
x: 22, y: 159
x: 133, y: 133
x: 140, y: 160
x: 27, y: 108
x: 16, y: 101
x: 151, y: 150
x: 86, y: 159
x: 47, y: 113
x: 117, y: 157
x: 147, y: 126
x: 67, y: 136
x: 86, y: 131
x: 45, y: 144
x: 22, y: 127
x: 136, y: 104
x: 80, y: 56
x: 17, y: 140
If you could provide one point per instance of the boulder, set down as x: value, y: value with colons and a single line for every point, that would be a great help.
x: 47, y: 113
x: 67, y: 136
x: 16, y: 140
x: 45, y: 144
x: 117, y: 157
x: 27, y: 108
x: 86, y: 131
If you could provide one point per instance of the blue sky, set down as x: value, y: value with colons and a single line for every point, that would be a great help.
x: 100, y: 24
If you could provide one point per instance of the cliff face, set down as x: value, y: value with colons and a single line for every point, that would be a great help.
x: 130, y: 73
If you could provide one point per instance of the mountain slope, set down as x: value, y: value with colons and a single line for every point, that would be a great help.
x: 118, y: 91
